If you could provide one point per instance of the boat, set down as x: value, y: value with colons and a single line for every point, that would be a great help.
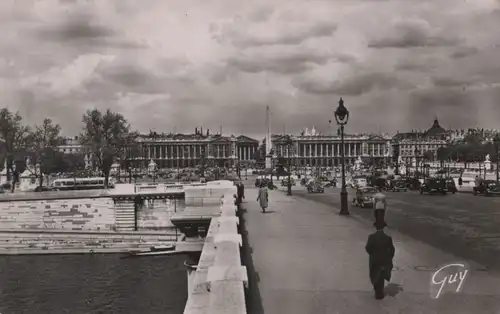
x: 153, y: 251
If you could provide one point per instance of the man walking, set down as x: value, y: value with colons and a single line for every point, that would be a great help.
x: 380, y: 249
x: 263, y: 197
x: 380, y: 206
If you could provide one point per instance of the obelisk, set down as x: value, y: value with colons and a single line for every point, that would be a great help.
x: 269, y: 161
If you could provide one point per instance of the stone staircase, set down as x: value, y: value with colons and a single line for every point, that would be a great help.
x: 124, y: 216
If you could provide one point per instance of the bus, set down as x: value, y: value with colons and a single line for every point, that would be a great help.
x: 78, y: 184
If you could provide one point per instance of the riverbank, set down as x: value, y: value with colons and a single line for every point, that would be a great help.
x: 29, y: 242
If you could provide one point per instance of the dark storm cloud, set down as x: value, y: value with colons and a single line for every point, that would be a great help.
x: 353, y: 86
x: 464, y: 52
x: 135, y: 79
x: 453, y: 105
x: 83, y: 31
x: 283, y: 63
x: 76, y: 27
x: 413, y: 34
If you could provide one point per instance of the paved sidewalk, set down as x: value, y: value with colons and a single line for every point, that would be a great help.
x: 311, y: 260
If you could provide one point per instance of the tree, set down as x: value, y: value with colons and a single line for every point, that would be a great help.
x: 42, y: 144
x: 428, y: 155
x: 15, y: 134
x: 107, y: 136
x: 131, y: 152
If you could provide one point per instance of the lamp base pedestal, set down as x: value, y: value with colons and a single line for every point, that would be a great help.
x: 344, y: 205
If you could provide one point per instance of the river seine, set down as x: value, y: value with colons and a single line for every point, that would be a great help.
x: 100, y: 283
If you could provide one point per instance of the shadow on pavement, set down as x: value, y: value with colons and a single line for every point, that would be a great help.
x: 252, y: 293
x: 393, y: 289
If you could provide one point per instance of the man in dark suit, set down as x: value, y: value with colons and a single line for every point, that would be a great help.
x: 381, y: 250
x: 240, y: 190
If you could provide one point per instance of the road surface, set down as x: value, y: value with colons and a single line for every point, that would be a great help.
x: 464, y: 225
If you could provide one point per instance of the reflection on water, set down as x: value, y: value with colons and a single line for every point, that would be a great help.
x: 81, y: 284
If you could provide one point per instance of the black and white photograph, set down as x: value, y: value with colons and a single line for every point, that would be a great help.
x: 260, y: 157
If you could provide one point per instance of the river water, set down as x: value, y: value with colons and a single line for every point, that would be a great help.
x: 99, y: 283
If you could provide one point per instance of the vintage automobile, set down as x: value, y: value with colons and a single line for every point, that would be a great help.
x: 452, y: 187
x: 493, y: 189
x: 483, y: 186
x: 315, y: 187
x: 367, y: 199
x: 284, y: 182
x: 399, y: 186
x: 434, y: 185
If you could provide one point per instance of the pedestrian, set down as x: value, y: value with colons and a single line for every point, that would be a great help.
x: 240, y: 188
x: 263, y: 197
x: 380, y: 207
x: 380, y: 249
x: 460, y: 181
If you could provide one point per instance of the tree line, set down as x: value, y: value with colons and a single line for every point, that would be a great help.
x: 469, y: 151
x: 107, y: 134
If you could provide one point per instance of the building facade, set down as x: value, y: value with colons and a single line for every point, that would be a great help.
x: 316, y: 150
x: 190, y: 150
x: 72, y: 145
x: 417, y: 144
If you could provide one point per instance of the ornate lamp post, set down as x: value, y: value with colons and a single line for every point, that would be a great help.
x: 288, y: 144
x: 496, y: 141
x: 417, y: 157
x: 342, y: 116
x: 395, y: 155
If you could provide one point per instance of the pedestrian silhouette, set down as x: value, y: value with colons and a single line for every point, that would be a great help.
x: 380, y: 249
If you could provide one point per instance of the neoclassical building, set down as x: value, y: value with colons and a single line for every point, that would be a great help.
x: 189, y: 150
x: 313, y: 149
x: 418, y: 143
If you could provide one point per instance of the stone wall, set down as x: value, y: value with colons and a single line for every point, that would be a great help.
x: 94, y: 214
x: 62, y: 214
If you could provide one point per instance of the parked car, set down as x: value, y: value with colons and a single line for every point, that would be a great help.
x: 315, y: 187
x: 284, y: 182
x: 367, y: 200
x: 492, y: 189
x: 483, y: 186
x: 452, y: 187
x: 399, y: 186
x: 434, y: 185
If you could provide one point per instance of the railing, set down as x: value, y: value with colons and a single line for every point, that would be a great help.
x: 217, y: 283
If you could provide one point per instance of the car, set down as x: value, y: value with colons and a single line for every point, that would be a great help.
x: 482, y: 187
x: 284, y: 182
x: 399, y: 186
x: 434, y: 185
x: 367, y: 200
x: 492, y: 189
x: 315, y: 187
x: 452, y: 187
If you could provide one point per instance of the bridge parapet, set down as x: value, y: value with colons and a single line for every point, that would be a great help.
x: 217, y: 282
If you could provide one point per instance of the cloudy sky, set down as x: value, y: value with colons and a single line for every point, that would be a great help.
x: 174, y: 65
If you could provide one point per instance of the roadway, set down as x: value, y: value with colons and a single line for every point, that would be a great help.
x: 464, y: 225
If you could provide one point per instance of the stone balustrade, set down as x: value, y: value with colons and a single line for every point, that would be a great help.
x: 216, y: 284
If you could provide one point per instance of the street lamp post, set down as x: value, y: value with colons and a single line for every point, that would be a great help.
x: 342, y: 116
x: 496, y: 141
x: 288, y: 144
x: 417, y: 157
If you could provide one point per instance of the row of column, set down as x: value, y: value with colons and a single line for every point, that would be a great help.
x: 351, y: 149
x: 246, y: 152
x: 331, y: 150
x: 195, y: 151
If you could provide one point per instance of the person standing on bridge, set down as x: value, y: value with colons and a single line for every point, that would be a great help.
x: 263, y: 197
x: 380, y: 249
x: 380, y: 206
